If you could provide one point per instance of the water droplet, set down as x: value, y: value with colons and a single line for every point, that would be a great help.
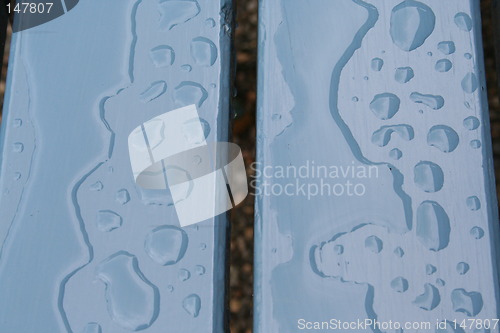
x: 463, y: 22
x: 374, y: 244
x: 17, y: 147
x: 430, y: 269
x: 440, y: 282
x: 377, y: 64
x: 430, y: 299
x: 429, y: 54
x: 162, y: 56
x: 188, y: 93
x: 186, y: 68
x: 108, y: 220
x: 443, y: 138
x: 366, y: 78
x: 477, y: 232
x: 274, y: 250
x: 166, y: 245
x: 471, y: 123
x: 191, y: 130
x: 174, y: 12
x: 446, y: 47
x: 203, y: 51
x: 385, y: 106
x: 468, y: 56
x: 338, y: 249
x: 399, y: 252
x: 192, y: 305
x: 155, y: 90
x: 462, y: 268
x: 210, y: 23
x: 411, y: 23
x: 132, y: 300
x: 475, y: 144
x: 470, y: 83
x: 433, y: 101
x: 443, y: 65
x: 122, y: 197
x: 433, y: 226
x: 203, y: 246
x: 429, y: 176
x: 399, y: 284
x: 355, y: 99
x: 16, y: 176
x: 183, y: 275
x: 276, y: 117
x: 470, y: 303
x: 404, y: 74
x: 199, y: 269
x: 97, y: 186
x: 17, y: 123
x: 213, y: 85
x: 395, y: 154
x: 170, y: 288
x: 473, y: 203
x: 92, y: 328
x: 383, y: 136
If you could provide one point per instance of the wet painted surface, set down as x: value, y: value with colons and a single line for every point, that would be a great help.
x: 83, y: 249
x: 394, y: 85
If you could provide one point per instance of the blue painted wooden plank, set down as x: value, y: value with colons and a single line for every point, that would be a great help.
x: 376, y: 196
x: 83, y: 248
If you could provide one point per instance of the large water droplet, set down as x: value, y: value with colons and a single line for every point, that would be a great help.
x: 477, y: 232
x: 443, y: 65
x: 382, y: 136
x: 92, y: 328
x: 399, y: 284
x: 162, y: 56
x: 188, y: 93
x: 433, y: 226
x: 470, y: 83
x: 428, y: 176
x: 192, y: 305
x: 471, y: 123
x: 133, y: 302
x: 374, y: 244
x: 473, y: 203
x: 203, y: 51
x: 463, y: 21
x: 404, y: 74
x: 446, y: 47
x: 411, y: 23
x: 443, y: 138
x: 108, y: 220
x: 469, y: 303
x: 433, y: 101
x: 430, y: 299
x: 155, y: 90
x: 385, y: 106
x: 377, y: 64
x: 462, y: 268
x: 166, y: 245
x: 174, y: 12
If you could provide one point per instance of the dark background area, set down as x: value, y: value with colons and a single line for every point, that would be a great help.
x: 241, y: 253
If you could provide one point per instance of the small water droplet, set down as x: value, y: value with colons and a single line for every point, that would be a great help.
x: 17, y: 123
x: 473, y: 203
x: 374, y: 244
x: 355, y: 99
x: 203, y: 246
x: 463, y: 22
x: 429, y: 176
x: 395, y: 154
x: 177, y: 12
x: 446, y: 47
x: 155, y: 90
x: 210, y: 23
x: 433, y: 101
x: 92, y: 328
x: 192, y: 305
x: 470, y: 303
x: 276, y: 117
x: 203, y: 51
x: 162, y: 56
x: 475, y: 144
x: 17, y: 147
x: 108, y: 220
x: 411, y: 23
x: 366, y: 78
x: 430, y: 299
x: 122, y: 196
x: 470, y: 83
x: 429, y: 54
x: 443, y: 65
x: 338, y: 249
x: 433, y: 226
x: 471, y: 123
x: 274, y: 250
x: 404, y: 74
x: 468, y: 56
x: 430, y: 269
x: 385, y: 106
x: 196, y: 131
x: 377, y: 64
x: 399, y: 284
x: 440, y: 282
x: 199, y: 270
x: 97, y: 186
x: 399, y: 252
x: 170, y: 288
x: 166, y: 245
x: 213, y: 85
x: 443, y: 138
x: 184, y: 275
x: 477, y: 232
x: 186, y: 68
x: 17, y: 176
x: 462, y: 268
x: 188, y: 93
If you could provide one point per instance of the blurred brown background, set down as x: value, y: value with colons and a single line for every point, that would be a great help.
x: 241, y: 255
